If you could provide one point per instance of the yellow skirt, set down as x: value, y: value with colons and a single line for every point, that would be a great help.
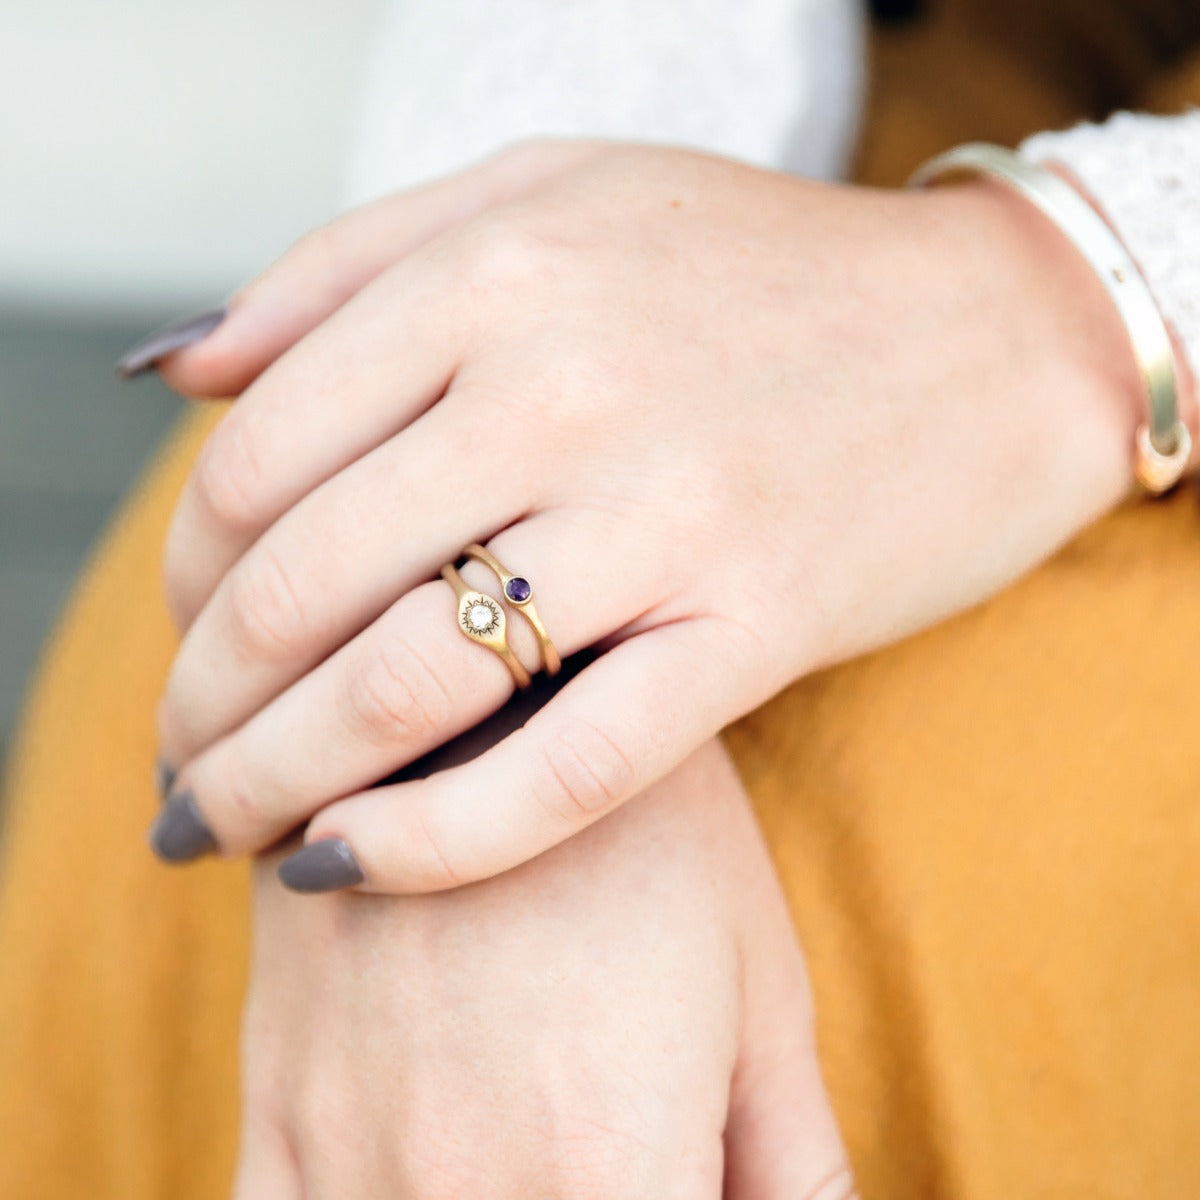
x: 989, y: 836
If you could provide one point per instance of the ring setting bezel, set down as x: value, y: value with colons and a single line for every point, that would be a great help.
x: 480, y: 616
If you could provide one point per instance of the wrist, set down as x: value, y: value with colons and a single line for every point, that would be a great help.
x: 1053, y: 312
x: 1163, y: 441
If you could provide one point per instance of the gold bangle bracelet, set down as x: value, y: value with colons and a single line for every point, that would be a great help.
x: 518, y: 592
x: 482, y: 620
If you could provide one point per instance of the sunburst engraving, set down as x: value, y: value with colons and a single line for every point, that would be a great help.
x: 480, y: 616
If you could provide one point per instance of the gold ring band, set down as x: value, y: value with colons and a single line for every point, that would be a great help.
x: 518, y: 594
x: 482, y: 620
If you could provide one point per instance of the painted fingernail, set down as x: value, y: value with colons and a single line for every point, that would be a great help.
x: 175, y: 336
x: 164, y: 778
x: 180, y: 833
x: 324, y: 866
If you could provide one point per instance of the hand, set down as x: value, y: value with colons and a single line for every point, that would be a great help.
x: 626, y: 1016
x: 734, y: 425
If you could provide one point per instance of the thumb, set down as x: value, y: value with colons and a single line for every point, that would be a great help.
x: 781, y: 1137
x: 222, y: 352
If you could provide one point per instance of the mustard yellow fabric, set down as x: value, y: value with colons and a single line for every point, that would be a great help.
x: 989, y: 836
x: 120, y: 984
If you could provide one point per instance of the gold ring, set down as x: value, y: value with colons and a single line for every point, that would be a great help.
x: 518, y: 592
x: 483, y: 620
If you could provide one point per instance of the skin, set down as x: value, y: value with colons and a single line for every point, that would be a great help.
x: 914, y: 398
x: 538, y: 1035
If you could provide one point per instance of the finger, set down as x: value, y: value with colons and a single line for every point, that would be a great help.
x: 781, y: 1135
x: 266, y: 1168
x: 326, y: 267
x: 407, y: 684
x: 781, y: 1138
x: 331, y: 566
x: 357, y: 379
x: 615, y: 729
x: 369, y: 371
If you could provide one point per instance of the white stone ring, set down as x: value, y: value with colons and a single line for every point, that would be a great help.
x: 482, y: 618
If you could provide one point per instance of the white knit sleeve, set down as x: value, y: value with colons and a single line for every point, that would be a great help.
x: 1144, y: 173
x: 774, y: 82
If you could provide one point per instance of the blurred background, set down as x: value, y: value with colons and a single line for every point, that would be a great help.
x: 152, y: 156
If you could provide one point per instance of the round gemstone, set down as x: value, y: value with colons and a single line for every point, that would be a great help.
x: 518, y: 590
x: 479, y: 617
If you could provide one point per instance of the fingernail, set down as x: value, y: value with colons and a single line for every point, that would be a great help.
x: 180, y: 833
x: 164, y: 778
x: 323, y: 866
x: 175, y: 336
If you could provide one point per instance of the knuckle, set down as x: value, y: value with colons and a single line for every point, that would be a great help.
x: 226, y: 478
x: 268, y: 619
x: 585, y: 773
x: 395, y: 696
x: 502, y: 251
x: 179, y: 589
x: 321, y: 254
x: 244, y: 808
x: 436, y: 869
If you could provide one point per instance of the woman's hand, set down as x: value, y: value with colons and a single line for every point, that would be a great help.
x: 734, y: 425
x: 626, y: 1016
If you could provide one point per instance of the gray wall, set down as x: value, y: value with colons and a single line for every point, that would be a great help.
x: 153, y: 154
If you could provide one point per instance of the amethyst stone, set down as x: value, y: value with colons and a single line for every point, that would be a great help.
x: 518, y: 590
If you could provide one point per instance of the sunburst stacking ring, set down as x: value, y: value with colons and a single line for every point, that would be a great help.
x: 518, y: 594
x: 482, y: 620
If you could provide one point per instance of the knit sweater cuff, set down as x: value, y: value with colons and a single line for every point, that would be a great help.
x: 1144, y: 173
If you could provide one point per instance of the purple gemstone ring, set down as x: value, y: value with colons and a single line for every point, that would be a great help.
x: 518, y: 592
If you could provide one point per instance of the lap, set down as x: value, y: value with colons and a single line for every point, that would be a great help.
x: 986, y: 833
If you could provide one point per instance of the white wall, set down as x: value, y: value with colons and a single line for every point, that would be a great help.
x: 155, y: 152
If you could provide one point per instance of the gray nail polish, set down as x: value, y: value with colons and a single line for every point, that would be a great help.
x: 164, y: 778
x: 175, y: 336
x: 324, y: 866
x: 180, y: 833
